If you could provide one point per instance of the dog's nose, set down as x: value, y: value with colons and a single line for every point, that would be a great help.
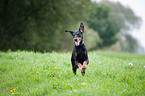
x: 75, y: 39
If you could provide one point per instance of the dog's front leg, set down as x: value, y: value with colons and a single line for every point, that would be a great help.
x: 79, y: 65
x: 85, y: 63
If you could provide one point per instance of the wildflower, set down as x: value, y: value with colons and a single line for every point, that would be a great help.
x: 130, y: 64
x: 56, y: 68
x: 14, y: 90
x: 144, y: 66
x: 13, y: 93
x: 37, y: 72
x: 11, y: 90
x: 85, y: 83
x: 59, y: 68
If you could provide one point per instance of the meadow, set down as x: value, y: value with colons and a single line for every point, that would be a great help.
x: 24, y: 73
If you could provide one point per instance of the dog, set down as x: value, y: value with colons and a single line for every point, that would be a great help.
x: 79, y: 58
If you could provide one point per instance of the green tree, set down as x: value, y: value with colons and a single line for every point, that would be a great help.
x: 127, y: 20
x: 91, y: 38
x: 100, y: 21
x: 123, y: 15
x: 129, y: 44
x: 113, y: 21
x: 38, y: 24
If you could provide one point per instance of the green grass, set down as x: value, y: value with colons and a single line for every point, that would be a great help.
x: 50, y: 74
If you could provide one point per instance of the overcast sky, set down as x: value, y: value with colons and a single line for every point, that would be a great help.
x: 138, y: 6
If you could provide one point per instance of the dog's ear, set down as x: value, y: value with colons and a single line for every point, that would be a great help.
x: 81, y: 29
x: 69, y: 31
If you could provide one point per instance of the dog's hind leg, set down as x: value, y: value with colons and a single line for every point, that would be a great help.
x: 74, y: 69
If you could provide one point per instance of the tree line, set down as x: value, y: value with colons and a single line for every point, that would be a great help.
x: 39, y: 24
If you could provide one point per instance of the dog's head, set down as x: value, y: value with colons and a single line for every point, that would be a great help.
x: 78, y: 35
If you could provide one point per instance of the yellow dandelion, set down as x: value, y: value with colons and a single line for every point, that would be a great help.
x: 85, y: 83
x: 59, y: 68
x: 37, y: 72
x: 13, y: 93
x: 14, y: 90
x: 56, y: 68
x: 11, y: 90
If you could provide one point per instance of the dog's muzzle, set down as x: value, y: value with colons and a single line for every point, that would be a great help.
x: 77, y: 41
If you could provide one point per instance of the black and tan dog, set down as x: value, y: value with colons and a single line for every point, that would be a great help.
x: 79, y: 57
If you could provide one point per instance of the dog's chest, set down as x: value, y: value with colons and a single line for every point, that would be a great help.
x: 80, y: 54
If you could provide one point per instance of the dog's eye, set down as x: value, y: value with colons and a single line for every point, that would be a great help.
x: 79, y: 34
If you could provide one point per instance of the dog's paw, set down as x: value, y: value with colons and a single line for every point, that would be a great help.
x: 83, y: 73
x: 83, y: 69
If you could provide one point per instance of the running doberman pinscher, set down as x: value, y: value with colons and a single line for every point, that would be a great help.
x: 79, y: 57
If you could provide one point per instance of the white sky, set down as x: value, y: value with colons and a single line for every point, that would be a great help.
x: 138, y: 6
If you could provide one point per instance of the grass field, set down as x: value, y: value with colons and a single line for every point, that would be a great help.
x: 50, y: 74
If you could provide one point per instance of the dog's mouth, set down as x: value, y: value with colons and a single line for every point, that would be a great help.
x: 77, y: 41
